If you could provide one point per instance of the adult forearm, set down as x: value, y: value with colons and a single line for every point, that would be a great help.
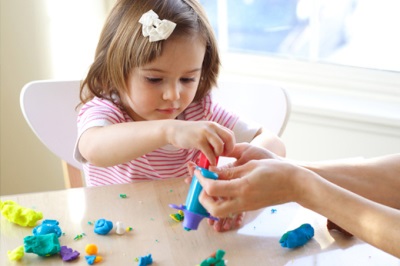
x: 377, y: 179
x: 374, y: 223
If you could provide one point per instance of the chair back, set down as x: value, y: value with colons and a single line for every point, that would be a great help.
x: 49, y: 107
x: 255, y: 100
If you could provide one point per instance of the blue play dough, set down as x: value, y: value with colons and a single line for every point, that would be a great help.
x: 90, y: 259
x: 145, y: 260
x: 103, y: 227
x: 297, y: 237
x: 42, y: 245
x: 47, y: 227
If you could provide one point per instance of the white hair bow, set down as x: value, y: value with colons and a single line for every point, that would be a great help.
x: 155, y: 28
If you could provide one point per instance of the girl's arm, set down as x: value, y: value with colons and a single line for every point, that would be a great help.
x: 269, y: 141
x: 120, y: 143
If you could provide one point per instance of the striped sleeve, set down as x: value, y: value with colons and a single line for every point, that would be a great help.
x: 97, y: 113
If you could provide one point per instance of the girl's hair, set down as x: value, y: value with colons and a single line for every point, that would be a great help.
x: 122, y: 46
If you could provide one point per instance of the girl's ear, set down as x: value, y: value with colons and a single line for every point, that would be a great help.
x: 124, y: 94
x: 115, y: 98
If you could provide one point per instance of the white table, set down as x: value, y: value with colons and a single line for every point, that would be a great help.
x: 146, y: 210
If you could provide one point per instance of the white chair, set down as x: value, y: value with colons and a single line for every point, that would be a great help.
x: 256, y: 100
x: 49, y: 108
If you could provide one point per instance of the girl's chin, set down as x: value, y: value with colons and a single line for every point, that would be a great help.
x: 153, y: 117
x: 163, y: 117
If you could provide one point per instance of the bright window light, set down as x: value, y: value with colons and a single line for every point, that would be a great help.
x: 74, y: 31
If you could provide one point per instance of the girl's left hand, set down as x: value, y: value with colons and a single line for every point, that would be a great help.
x: 228, y: 223
x: 223, y: 224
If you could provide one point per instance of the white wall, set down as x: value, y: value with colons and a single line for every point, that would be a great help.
x: 310, y: 137
x: 27, y: 166
x: 26, y: 36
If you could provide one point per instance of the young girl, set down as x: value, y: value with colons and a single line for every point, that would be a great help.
x: 147, y: 109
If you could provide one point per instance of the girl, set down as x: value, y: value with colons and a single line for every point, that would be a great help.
x: 147, y: 109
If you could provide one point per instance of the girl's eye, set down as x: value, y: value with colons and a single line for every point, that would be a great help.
x: 188, y: 80
x: 153, y: 80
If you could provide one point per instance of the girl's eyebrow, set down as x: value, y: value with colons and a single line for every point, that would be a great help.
x: 163, y: 71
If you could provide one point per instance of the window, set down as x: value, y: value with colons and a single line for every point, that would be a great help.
x: 74, y: 28
x: 340, y: 54
x: 359, y: 33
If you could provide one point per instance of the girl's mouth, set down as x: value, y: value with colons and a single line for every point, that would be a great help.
x: 168, y: 110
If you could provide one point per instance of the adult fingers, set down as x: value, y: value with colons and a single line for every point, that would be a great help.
x: 219, y: 207
x: 233, y: 172
x: 218, y: 188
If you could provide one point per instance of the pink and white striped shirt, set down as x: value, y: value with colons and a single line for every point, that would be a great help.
x: 165, y: 162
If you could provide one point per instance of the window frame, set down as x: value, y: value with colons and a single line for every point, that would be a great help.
x: 310, y: 76
x: 314, y: 75
x: 349, y: 94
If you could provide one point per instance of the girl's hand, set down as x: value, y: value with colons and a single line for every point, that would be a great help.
x: 228, y: 223
x: 245, y: 152
x: 191, y: 167
x: 209, y: 137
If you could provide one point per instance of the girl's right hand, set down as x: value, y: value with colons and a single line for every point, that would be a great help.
x: 209, y: 137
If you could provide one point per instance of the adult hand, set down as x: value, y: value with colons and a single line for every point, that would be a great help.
x: 223, y: 224
x: 245, y: 152
x: 256, y: 184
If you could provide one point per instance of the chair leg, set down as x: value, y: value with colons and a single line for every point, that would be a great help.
x: 72, y: 176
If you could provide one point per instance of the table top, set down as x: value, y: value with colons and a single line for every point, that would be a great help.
x: 146, y: 209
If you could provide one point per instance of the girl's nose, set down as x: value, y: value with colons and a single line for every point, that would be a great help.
x: 171, y: 93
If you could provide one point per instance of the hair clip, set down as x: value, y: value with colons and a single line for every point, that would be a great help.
x: 155, y: 28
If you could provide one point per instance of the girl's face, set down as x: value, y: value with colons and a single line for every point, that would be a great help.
x: 165, y: 87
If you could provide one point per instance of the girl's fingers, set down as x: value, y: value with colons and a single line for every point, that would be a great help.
x: 191, y: 166
x: 233, y: 223
x: 237, y: 150
x: 222, y: 142
x: 229, y: 141
x: 217, y: 145
x: 208, y: 151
